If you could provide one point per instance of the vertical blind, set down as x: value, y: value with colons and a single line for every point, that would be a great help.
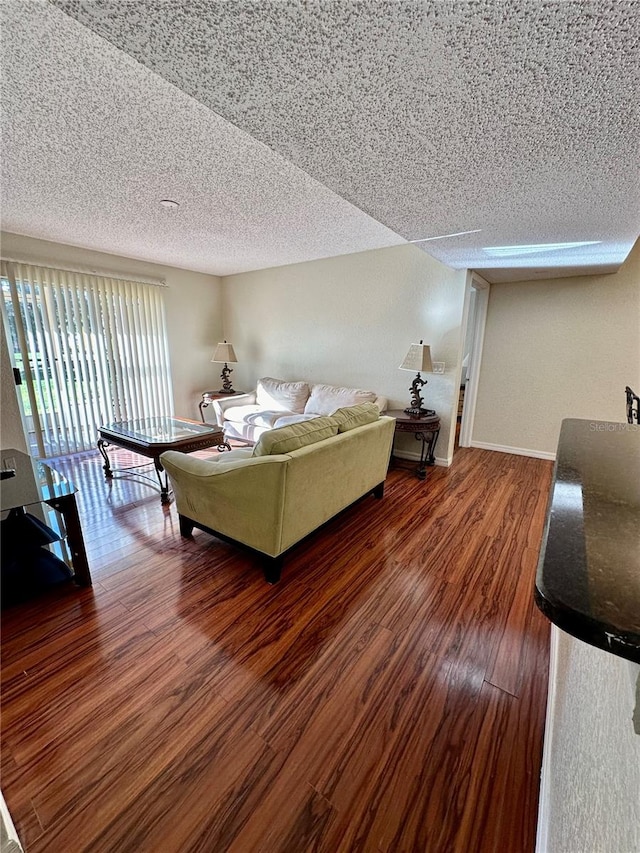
x: 92, y: 350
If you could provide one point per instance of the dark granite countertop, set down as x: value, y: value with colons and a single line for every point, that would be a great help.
x: 588, y: 580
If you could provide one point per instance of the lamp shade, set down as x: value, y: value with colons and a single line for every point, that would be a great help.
x: 224, y: 353
x: 418, y: 359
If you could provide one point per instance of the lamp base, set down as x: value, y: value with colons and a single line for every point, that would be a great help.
x: 419, y: 412
x: 226, y: 382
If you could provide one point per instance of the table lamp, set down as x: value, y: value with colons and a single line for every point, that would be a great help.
x: 419, y: 359
x: 224, y: 354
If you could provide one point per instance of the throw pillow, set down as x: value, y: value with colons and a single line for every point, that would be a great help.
x: 351, y: 417
x: 325, y: 399
x: 280, y: 396
x: 289, y: 438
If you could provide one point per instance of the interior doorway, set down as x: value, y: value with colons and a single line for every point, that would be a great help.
x: 471, y: 357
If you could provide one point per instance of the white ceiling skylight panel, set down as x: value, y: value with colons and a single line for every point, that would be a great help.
x: 535, y: 249
x: 593, y: 252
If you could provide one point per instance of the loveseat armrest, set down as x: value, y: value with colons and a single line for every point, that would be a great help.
x: 223, y: 403
x: 241, y: 498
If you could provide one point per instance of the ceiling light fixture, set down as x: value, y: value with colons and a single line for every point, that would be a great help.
x: 168, y: 203
x: 514, y: 251
x: 444, y: 236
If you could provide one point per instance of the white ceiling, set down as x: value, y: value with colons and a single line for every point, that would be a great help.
x: 290, y: 131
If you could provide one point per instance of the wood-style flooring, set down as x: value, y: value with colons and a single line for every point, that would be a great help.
x: 387, y: 695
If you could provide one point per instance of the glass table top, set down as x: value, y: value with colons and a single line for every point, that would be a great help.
x: 159, y: 429
x: 34, y: 482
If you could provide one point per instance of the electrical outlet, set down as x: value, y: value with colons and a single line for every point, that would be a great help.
x: 438, y: 366
x: 9, y: 462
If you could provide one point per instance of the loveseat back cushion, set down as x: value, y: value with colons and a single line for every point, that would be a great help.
x: 325, y: 399
x: 280, y: 396
x: 351, y: 417
x: 286, y: 439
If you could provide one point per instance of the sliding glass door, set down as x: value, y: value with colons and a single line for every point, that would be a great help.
x: 90, y: 349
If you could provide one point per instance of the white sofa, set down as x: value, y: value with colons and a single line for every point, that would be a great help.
x: 276, y: 403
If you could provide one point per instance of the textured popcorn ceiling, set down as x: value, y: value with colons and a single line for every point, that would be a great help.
x: 519, y: 119
x: 92, y: 141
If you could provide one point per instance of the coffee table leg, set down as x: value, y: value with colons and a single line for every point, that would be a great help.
x: 102, y: 446
x: 163, y: 479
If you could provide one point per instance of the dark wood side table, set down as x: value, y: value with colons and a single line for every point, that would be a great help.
x: 209, y: 396
x: 425, y: 429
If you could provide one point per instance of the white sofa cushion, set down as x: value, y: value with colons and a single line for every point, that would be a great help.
x: 278, y: 395
x: 243, y: 432
x: 325, y: 399
x: 253, y: 416
x: 285, y: 420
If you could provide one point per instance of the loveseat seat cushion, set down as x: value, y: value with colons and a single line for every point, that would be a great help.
x: 325, y: 399
x: 280, y: 396
x: 286, y: 439
x: 351, y: 417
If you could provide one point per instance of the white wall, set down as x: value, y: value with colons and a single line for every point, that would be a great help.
x: 193, y: 308
x: 590, y: 794
x: 349, y: 321
x: 558, y: 349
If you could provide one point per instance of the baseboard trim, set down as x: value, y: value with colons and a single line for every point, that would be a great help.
x: 440, y: 461
x: 518, y: 451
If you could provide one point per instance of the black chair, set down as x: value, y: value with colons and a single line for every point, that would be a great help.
x: 633, y: 405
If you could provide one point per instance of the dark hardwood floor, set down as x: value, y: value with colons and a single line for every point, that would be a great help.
x: 387, y: 695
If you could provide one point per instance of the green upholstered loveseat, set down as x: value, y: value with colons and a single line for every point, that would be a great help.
x: 272, y: 497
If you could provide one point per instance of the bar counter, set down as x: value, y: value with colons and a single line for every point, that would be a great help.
x: 588, y: 578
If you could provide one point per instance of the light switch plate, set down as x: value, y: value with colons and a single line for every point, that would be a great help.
x: 438, y: 366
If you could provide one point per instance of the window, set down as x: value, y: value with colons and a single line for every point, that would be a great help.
x: 91, y: 349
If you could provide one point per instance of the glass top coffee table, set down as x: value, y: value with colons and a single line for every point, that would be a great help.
x: 152, y: 436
